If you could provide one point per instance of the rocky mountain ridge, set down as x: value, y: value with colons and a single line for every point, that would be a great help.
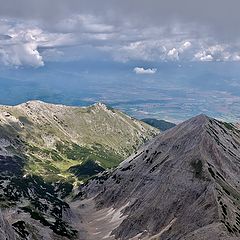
x: 55, y: 138
x: 44, y: 149
x: 183, y: 185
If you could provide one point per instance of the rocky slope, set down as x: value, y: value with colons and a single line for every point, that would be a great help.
x: 57, y: 139
x: 43, y: 149
x: 183, y: 185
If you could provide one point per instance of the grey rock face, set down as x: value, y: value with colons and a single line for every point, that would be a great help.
x: 183, y: 185
x: 6, y: 230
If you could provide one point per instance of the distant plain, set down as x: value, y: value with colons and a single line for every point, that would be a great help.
x: 175, y: 93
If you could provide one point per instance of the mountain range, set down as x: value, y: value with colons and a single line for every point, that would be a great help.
x: 180, y: 184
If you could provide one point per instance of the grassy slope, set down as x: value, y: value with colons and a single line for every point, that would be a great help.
x: 55, y: 137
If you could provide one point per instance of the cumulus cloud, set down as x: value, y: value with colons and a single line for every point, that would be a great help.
x: 22, y: 43
x: 20, y: 48
x: 33, y: 39
x: 203, y: 56
x: 217, y: 52
x: 141, y: 70
x: 173, y: 54
x: 186, y: 45
x: 21, y: 55
x: 236, y: 57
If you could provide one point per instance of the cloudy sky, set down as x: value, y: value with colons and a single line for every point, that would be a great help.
x: 93, y: 46
x: 34, y: 32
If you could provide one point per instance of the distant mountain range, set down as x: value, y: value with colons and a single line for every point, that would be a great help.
x: 182, y: 184
x: 160, y: 124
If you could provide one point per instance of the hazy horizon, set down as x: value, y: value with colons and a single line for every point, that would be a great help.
x: 164, y: 60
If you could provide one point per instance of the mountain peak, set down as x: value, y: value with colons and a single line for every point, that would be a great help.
x: 100, y: 105
x: 199, y: 119
x: 202, y: 116
x: 182, y: 185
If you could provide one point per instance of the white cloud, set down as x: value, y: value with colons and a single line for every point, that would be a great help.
x: 217, y: 52
x: 21, y: 47
x: 186, y: 45
x: 141, y: 70
x: 28, y: 44
x: 207, y: 58
x: 173, y: 54
x: 21, y: 55
x: 236, y: 57
x: 203, y: 56
x: 149, y: 50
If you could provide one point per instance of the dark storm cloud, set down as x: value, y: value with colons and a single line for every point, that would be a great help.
x: 221, y: 16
